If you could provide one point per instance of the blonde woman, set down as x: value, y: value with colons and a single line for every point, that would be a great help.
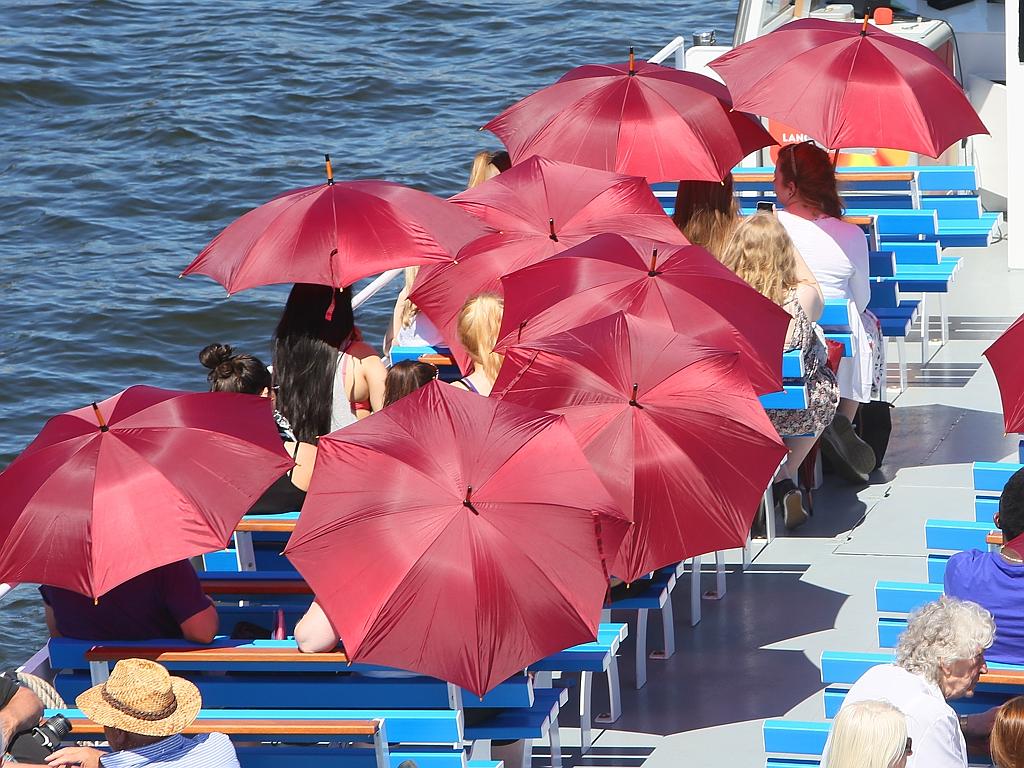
x: 409, y: 327
x: 762, y: 254
x: 487, y: 165
x: 479, y: 321
x: 706, y: 213
x: 868, y: 734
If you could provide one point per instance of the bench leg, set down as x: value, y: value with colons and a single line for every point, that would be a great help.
x: 924, y: 329
x: 641, y: 648
x: 747, y: 554
x: 380, y: 748
x: 586, y: 688
x: 943, y: 319
x: 695, y: 591
x: 769, y: 515
x: 901, y: 353
x: 614, y: 695
x: 555, y: 741
x: 99, y: 671
x: 668, y: 630
x: 720, y: 574
x: 480, y: 750
x: 244, y: 552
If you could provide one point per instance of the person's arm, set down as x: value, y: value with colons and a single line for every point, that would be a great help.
x: 202, y: 627
x: 314, y: 633
x: 84, y: 757
x: 51, y: 622
x: 22, y: 711
x: 370, y: 375
x: 939, y: 744
x: 305, y: 458
x: 396, y: 321
x: 183, y: 595
x: 860, y: 285
x: 808, y: 290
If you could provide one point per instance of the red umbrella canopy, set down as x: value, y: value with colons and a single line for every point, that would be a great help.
x: 457, y: 536
x: 850, y: 85
x: 641, y: 119
x: 672, y: 428
x: 682, y: 287
x: 145, y: 478
x: 1004, y: 356
x: 537, y: 209
x: 334, y: 234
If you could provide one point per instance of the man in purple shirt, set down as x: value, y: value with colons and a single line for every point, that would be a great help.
x: 166, y: 602
x: 995, y: 580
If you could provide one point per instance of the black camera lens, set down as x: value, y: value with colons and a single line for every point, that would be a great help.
x: 59, y: 726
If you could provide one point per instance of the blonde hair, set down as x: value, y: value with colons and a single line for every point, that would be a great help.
x: 479, y: 323
x: 761, y: 252
x: 409, y: 310
x: 487, y: 165
x: 706, y: 212
x: 867, y: 734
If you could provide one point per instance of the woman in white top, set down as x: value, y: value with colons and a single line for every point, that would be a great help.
x: 837, y: 253
x: 409, y: 326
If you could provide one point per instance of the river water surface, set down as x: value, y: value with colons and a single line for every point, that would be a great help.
x: 133, y: 132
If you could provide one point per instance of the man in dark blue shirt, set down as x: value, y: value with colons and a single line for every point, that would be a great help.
x: 166, y: 602
x: 995, y: 580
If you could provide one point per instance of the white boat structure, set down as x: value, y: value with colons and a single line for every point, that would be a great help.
x: 754, y: 652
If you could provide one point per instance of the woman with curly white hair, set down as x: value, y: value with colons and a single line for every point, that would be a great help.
x: 868, y: 734
x: 939, y: 657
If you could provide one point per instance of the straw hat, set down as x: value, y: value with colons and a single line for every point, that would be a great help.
x: 141, y: 697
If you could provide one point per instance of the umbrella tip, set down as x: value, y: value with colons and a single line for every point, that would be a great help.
x: 468, y: 501
x: 632, y: 62
x: 551, y: 230
x: 653, y: 271
x: 633, y: 400
x: 330, y: 171
x: 864, y: 27
x: 99, y: 418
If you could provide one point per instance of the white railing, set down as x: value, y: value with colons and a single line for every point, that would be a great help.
x: 373, y: 288
x: 675, y: 48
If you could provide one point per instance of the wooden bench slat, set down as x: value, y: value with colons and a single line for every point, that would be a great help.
x: 309, y: 727
x: 841, y: 176
x: 255, y: 525
x: 204, y: 653
x: 256, y: 587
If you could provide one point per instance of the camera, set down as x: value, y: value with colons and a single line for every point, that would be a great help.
x: 33, y: 745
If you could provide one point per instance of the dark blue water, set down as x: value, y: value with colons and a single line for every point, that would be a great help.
x: 132, y: 132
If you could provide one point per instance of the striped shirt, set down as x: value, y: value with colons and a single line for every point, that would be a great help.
x: 209, y: 750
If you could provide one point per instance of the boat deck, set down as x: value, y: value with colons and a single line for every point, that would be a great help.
x: 755, y: 653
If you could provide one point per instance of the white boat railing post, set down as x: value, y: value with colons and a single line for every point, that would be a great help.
x: 374, y: 287
x: 675, y: 48
x: 5, y: 589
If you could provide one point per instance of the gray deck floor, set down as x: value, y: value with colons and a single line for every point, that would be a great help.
x: 755, y: 653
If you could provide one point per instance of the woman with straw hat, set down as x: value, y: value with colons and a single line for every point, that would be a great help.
x: 143, y: 711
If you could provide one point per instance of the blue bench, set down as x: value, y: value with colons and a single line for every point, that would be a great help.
x: 266, y: 674
x: 895, y: 315
x: 431, y: 738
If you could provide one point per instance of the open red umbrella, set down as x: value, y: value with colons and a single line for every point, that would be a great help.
x: 457, y: 536
x: 145, y: 478
x: 636, y: 118
x: 537, y: 209
x: 672, y: 428
x: 333, y: 234
x: 682, y: 287
x: 847, y: 84
x: 1004, y: 355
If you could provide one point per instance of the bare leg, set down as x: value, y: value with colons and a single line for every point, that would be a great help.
x: 512, y: 754
x: 848, y: 408
x: 798, y: 447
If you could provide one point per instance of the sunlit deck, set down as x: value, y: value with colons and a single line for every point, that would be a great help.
x: 755, y: 653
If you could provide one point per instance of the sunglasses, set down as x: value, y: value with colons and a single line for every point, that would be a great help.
x: 909, y: 749
x: 792, y: 158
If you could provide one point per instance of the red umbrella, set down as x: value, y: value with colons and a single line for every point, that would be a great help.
x: 672, y: 427
x: 641, y: 119
x: 682, y: 287
x: 145, y: 478
x: 1004, y: 355
x: 538, y: 208
x: 850, y: 85
x: 456, y: 536
x: 334, y: 234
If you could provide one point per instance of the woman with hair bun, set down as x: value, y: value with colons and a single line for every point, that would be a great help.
x: 406, y: 377
x: 247, y: 375
x: 837, y: 253
x: 868, y: 734
x: 479, y: 322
